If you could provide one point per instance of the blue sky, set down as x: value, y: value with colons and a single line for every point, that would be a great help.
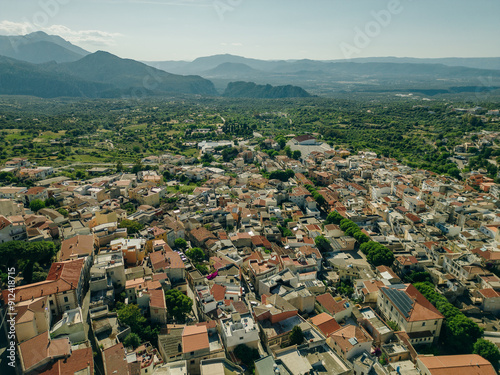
x: 272, y: 29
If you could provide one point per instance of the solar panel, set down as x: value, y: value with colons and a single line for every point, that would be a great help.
x: 401, y: 300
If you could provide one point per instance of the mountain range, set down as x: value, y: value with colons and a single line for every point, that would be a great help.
x: 39, y: 47
x: 251, y: 90
x: 390, y: 74
x: 49, y: 66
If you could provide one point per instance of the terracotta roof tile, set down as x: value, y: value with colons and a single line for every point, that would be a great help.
x: 80, y: 359
x: 63, y: 276
x: 115, y: 361
x: 39, y: 348
x: 326, y: 323
x: 465, y: 364
x: 194, y: 338
x: 77, y: 246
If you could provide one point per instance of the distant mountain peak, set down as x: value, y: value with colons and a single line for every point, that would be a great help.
x: 252, y: 90
x: 40, y: 32
x: 39, y: 47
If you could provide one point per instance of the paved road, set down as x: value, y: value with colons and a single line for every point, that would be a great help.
x: 190, y: 294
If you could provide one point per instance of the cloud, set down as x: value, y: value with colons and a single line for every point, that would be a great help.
x: 91, y: 37
x: 88, y: 37
x: 15, y: 28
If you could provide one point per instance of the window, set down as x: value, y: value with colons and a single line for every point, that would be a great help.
x: 241, y: 338
x: 192, y: 362
x: 423, y: 324
x: 66, y: 299
x: 435, y: 322
x: 192, y: 353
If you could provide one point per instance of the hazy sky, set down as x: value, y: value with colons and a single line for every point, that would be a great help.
x: 265, y: 29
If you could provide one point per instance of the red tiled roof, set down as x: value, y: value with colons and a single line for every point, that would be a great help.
x: 77, y: 245
x: 80, y: 359
x: 39, y: 348
x: 63, y: 276
x: 465, y: 364
x: 194, y: 338
x: 157, y: 298
x: 166, y: 260
x: 347, y: 332
x: 422, y: 309
x: 305, y: 137
x: 326, y: 323
x: 218, y: 291
x: 34, y: 190
x: 202, y: 234
x: 489, y: 293
x: 329, y: 304
x: 115, y: 361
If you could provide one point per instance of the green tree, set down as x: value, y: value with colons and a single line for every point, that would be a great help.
x: 322, y: 243
x: 119, y: 166
x: 229, y: 153
x: 39, y: 276
x: 346, y: 224
x: 246, y: 355
x: 131, y: 225
x: 393, y: 325
x: 487, y: 350
x: 285, y: 232
x: 50, y: 202
x: 196, y: 254
x: 281, y: 141
x: 345, y: 287
x: 132, y: 340
x: 334, y: 218
x: 296, y: 154
x: 131, y: 315
x: 361, y: 237
x: 63, y: 212
x: 202, y: 268
x: 377, y: 254
x: 418, y: 277
x: 207, y: 158
x: 137, y: 166
x: 288, y: 151
x: 180, y: 243
x: 178, y: 304
x: 296, y: 336
x: 37, y: 204
x: 462, y: 333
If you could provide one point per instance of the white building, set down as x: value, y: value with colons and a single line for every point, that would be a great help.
x: 240, y: 330
x: 411, y: 311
